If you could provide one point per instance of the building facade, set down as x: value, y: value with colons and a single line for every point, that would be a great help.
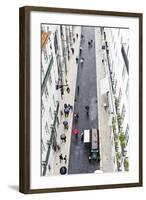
x: 115, y: 46
x: 56, y: 43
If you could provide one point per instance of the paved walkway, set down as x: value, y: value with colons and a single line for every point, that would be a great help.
x: 107, y: 162
x: 69, y: 99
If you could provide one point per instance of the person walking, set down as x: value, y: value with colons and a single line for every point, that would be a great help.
x: 82, y: 136
x: 77, y: 35
x: 72, y: 49
x: 65, y: 159
x: 81, y: 50
x: 60, y: 157
x: 77, y: 59
x: 82, y: 61
x: 78, y: 89
x: 89, y: 43
x: 68, y: 90
x: 87, y: 109
x: 64, y: 139
x: 70, y: 107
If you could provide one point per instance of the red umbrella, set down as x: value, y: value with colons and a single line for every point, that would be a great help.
x: 75, y: 131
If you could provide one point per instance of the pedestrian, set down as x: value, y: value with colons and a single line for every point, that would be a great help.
x: 78, y: 89
x: 60, y: 157
x: 77, y: 35
x: 72, y: 49
x: 74, y: 40
x: 68, y: 55
x: 77, y: 59
x: 61, y: 112
x: 82, y: 136
x: 89, y: 43
x: 89, y: 158
x: 87, y: 109
x: 82, y: 36
x: 49, y: 167
x: 71, y: 108
x: 64, y: 139
x: 76, y: 137
x: 82, y: 61
x: 76, y: 116
x: 68, y: 90
x: 65, y: 123
x: 65, y: 159
x: 65, y: 105
x: 81, y: 50
x: 68, y: 106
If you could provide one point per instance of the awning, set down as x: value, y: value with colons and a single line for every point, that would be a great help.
x: 104, y: 86
x: 45, y: 36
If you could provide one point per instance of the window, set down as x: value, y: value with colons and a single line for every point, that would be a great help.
x: 127, y: 89
x: 46, y: 93
x: 120, y: 94
x: 123, y: 112
x: 121, y: 39
x: 127, y: 130
x: 45, y: 55
x: 47, y: 128
x: 54, y: 101
x: 42, y: 71
x: 116, y: 52
x: 43, y: 108
x: 43, y: 146
x: 114, y: 45
x: 55, y: 43
x: 47, y: 28
x: 50, y: 79
x: 57, y: 122
x: 50, y: 112
x: 127, y: 133
x: 123, y: 72
x: 61, y: 30
x: 118, y: 32
x: 127, y: 50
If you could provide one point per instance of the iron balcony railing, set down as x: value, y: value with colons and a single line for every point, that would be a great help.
x: 50, y: 142
x: 125, y: 58
x: 46, y: 76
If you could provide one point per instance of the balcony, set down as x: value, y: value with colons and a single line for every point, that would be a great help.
x: 52, y: 138
x: 125, y: 58
x: 46, y: 76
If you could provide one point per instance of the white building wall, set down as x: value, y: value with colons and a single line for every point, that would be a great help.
x: 51, y: 95
x: 115, y: 38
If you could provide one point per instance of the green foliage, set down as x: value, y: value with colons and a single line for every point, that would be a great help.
x: 117, y: 103
x: 126, y: 164
x: 122, y: 140
x: 122, y: 137
x: 118, y: 156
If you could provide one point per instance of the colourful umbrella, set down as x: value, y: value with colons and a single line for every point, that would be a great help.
x: 66, y: 110
x: 75, y: 131
x: 65, y: 123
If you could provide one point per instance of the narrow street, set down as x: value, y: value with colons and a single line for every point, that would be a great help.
x: 86, y: 94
